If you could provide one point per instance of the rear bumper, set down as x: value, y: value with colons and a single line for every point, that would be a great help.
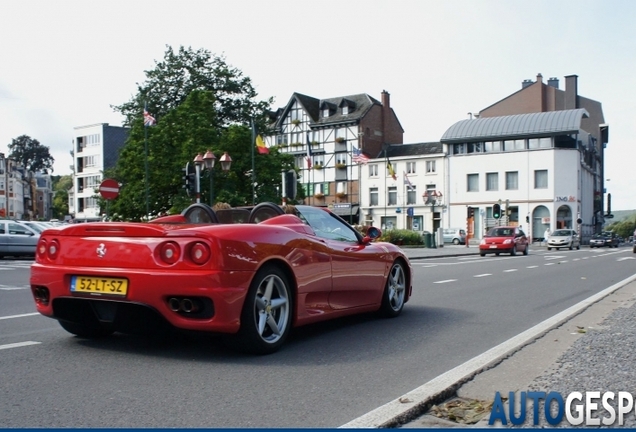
x: 147, y: 291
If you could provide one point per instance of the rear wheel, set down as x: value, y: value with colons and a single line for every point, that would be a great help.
x: 455, y: 241
x: 525, y: 250
x: 571, y: 246
x: 267, y: 313
x: 394, y: 291
x: 85, y: 331
x: 484, y: 254
x: 513, y: 251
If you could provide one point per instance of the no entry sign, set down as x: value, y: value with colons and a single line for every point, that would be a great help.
x: 109, y: 189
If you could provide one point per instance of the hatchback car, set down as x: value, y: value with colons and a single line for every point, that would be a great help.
x: 564, y: 238
x: 454, y: 235
x: 17, y: 239
x: 606, y: 238
x: 506, y: 239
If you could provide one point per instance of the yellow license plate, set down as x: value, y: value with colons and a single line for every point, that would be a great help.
x: 99, y: 285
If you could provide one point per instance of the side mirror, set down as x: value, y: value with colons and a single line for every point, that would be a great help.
x: 372, y: 234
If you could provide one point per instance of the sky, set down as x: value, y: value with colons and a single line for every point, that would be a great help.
x: 65, y: 63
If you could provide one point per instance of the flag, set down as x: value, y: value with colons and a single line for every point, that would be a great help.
x: 309, y: 153
x: 407, y: 181
x: 357, y: 156
x: 260, y: 144
x: 149, y: 120
x: 391, y: 170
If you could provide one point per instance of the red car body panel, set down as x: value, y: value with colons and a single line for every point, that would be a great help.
x: 330, y: 278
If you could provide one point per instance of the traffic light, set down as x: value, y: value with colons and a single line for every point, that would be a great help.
x: 471, y: 212
x: 496, y: 211
x: 291, y: 184
x: 527, y: 219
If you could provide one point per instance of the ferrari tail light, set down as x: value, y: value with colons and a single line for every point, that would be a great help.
x: 48, y: 249
x: 199, y: 253
x: 169, y: 252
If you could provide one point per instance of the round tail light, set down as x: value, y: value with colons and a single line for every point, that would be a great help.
x: 199, y: 253
x: 169, y: 252
x: 53, y: 249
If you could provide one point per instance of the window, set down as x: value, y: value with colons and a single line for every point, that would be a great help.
x: 392, y: 195
x: 541, y: 179
x: 325, y: 112
x: 477, y: 147
x: 373, y: 196
x: 341, y: 158
x: 373, y: 170
x: 512, y: 180
x: 319, y: 160
x: 472, y: 183
x: 410, y: 167
x: 345, y: 110
x: 534, y: 143
x: 281, y: 139
x: 430, y: 167
x: 493, y: 146
x: 388, y: 222
x: 512, y: 145
x: 459, y: 149
x: 411, y: 195
x: 492, y: 181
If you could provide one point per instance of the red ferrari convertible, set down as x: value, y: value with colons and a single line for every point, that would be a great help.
x: 252, y: 274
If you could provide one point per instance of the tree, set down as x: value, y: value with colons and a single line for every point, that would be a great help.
x: 31, y: 154
x: 180, y: 73
x: 183, y: 132
x: 61, y: 186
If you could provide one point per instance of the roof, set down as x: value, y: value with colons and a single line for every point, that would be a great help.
x: 416, y: 149
x: 513, y: 126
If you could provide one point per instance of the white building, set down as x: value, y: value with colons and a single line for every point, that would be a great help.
x: 540, y: 167
x: 415, y: 198
x: 95, y: 148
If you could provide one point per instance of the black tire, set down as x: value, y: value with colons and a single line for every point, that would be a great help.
x: 513, y: 251
x: 394, y: 291
x: 526, y: 250
x: 578, y: 247
x: 571, y: 246
x: 85, y: 331
x: 265, y: 322
x: 497, y: 253
x: 483, y: 254
x: 455, y: 241
x: 549, y: 248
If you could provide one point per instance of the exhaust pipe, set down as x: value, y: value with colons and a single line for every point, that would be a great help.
x: 188, y: 306
x: 174, y: 304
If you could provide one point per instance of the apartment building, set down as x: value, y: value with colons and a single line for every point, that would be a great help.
x: 95, y: 148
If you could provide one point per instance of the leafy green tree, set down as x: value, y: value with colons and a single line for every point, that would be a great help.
x: 61, y: 185
x: 31, y: 154
x: 624, y: 228
x: 180, y: 73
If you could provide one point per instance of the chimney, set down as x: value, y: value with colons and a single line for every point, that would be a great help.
x: 525, y: 83
x: 553, y: 82
x: 386, y: 99
x: 571, y: 92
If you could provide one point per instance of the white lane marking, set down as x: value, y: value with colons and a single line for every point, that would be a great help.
x: 553, y: 257
x: 429, y: 266
x: 548, y: 264
x: 12, y: 288
x: 625, y: 258
x: 19, y: 316
x: 446, y: 281
x: 391, y: 411
x: 19, y: 344
x: 576, y: 259
x: 532, y: 266
x: 483, y: 275
x: 510, y: 270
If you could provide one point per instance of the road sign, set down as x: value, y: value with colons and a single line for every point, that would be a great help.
x: 109, y: 189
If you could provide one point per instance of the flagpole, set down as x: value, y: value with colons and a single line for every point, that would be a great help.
x: 146, y: 161
x: 253, y: 166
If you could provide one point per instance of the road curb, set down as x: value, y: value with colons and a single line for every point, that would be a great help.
x: 416, y: 402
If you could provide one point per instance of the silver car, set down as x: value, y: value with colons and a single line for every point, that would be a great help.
x: 564, y: 238
x: 17, y: 239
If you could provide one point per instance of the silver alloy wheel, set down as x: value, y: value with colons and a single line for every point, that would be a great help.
x: 396, y: 287
x: 271, y: 308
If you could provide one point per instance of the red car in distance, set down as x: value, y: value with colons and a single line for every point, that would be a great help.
x: 250, y: 274
x: 504, y: 239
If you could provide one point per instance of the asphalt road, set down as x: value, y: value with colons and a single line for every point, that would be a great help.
x: 326, y: 375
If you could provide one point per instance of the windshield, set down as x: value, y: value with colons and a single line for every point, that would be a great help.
x: 562, y: 233
x: 501, y: 232
x: 326, y: 225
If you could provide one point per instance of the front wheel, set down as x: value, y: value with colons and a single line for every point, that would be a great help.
x: 394, y: 291
x: 455, y: 241
x: 267, y: 313
x: 513, y: 251
x: 525, y: 250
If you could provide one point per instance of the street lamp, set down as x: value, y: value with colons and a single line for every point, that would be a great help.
x: 207, y: 161
x: 433, y: 197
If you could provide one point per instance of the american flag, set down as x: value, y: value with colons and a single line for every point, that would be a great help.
x: 149, y: 120
x: 358, y: 157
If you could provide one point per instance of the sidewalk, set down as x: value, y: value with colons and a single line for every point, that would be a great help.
x: 591, y: 350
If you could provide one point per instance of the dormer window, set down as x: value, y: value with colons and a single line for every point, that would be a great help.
x: 345, y: 110
x: 325, y: 112
x: 347, y: 106
x: 327, y: 109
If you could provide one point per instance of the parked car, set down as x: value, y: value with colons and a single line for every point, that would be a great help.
x: 564, y: 238
x: 17, y: 239
x: 250, y: 281
x: 454, y: 235
x: 506, y: 239
x: 606, y: 238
